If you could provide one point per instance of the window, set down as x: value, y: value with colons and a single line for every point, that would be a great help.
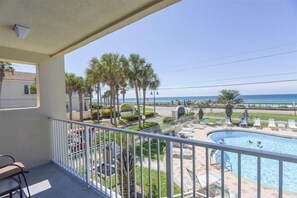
x: 26, y: 89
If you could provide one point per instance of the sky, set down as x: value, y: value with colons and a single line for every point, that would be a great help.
x: 196, y: 43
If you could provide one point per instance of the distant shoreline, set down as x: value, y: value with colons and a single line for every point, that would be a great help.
x: 259, y: 99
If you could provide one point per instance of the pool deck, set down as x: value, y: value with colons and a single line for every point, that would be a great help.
x: 248, y: 187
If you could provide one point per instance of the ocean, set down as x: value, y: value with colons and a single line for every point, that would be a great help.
x: 273, y: 98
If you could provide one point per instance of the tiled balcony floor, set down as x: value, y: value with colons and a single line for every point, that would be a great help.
x: 49, y: 181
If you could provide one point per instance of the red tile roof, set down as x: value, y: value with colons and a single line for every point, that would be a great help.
x: 20, y: 76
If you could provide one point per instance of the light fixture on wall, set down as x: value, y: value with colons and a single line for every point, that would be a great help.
x: 21, y: 31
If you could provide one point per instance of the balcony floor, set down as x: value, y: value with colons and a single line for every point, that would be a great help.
x: 50, y: 180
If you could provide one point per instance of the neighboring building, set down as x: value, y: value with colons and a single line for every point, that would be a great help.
x: 18, y: 90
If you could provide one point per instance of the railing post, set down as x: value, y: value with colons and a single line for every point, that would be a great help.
x: 169, y: 172
x: 87, y: 156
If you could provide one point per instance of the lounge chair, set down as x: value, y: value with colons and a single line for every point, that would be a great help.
x: 200, y: 182
x: 11, y: 168
x: 228, y: 122
x: 243, y: 122
x: 209, y: 123
x: 218, y: 122
x: 215, y: 155
x: 257, y: 123
x: 271, y: 124
x: 292, y: 125
x: 227, y: 192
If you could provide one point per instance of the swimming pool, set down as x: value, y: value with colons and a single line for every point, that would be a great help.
x: 269, y: 168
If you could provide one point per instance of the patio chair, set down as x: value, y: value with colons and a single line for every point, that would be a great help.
x: 243, y: 122
x: 228, y: 122
x: 271, y: 124
x: 218, y: 122
x: 209, y: 123
x: 227, y: 192
x: 11, y: 168
x: 292, y: 124
x: 257, y: 123
x: 202, y: 189
x: 215, y: 155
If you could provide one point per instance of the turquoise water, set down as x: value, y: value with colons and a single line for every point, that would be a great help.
x: 274, y: 98
x: 269, y: 168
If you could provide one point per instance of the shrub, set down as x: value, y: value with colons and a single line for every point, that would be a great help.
x: 105, y: 113
x: 130, y: 117
x: 191, y: 113
x: 126, y: 107
x: 168, y: 119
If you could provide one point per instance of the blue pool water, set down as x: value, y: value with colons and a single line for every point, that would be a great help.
x: 269, y: 168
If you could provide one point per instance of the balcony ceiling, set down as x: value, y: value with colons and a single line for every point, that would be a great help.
x: 60, y: 26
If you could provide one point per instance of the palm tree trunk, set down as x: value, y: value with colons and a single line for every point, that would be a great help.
x: 70, y: 106
x: 110, y: 105
x: 98, y: 88
x: 91, y: 97
x: 114, y: 107
x: 138, y: 106
x: 144, y: 95
x: 118, y: 102
x: 100, y: 96
x: 123, y: 97
x: 80, y: 106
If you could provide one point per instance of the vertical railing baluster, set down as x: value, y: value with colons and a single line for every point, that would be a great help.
x: 158, y: 168
x: 280, y: 187
x: 181, y: 170
x: 109, y: 163
x: 141, y: 168
x: 115, y: 161
x: 128, y: 161
x: 95, y: 156
x: 122, y: 177
x: 258, y: 177
x: 101, y: 143
x: 207, y: 171
x: 134, y: 171
x: 149, y: 167
x: 222, y: 173
x: 239, y: 175
x: 105, y: 162
x: 87, y: 155
x: 194, y: 170
x: 169, y: 170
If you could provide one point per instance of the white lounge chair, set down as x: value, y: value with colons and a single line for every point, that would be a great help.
x: 228, y: 122
x: 209, y: 123
x: 243, y: 122
x: 292, y: 125
x: 257, y: 123
x: 218, y: 122
x: 271, y: 124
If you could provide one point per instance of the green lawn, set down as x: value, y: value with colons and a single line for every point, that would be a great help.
x: 262, y: 116
x: 154, y: 150
x: 154, y: 175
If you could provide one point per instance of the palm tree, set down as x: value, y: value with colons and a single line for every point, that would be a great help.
x: 154, y: 85
x: 146, y: 77
x: 230, y: 98
x: 111, y: 75
x: 70, y: 80
x: 133, y: 68
x: 127, y: 163
x: 94, y: 73
x: 89, y: 90
x: 4, y: 68
x: 81, y: 90
x: 123, y: 90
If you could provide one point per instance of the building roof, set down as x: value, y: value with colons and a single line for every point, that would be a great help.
x: 60, y: 26
x: 24, y: 76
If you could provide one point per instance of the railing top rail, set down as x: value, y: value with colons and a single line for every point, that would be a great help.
x: 209, y: 145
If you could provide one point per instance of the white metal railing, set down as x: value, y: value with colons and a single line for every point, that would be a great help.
x: 125, y: 163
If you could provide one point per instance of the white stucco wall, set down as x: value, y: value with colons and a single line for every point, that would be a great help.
x: 26, y: 133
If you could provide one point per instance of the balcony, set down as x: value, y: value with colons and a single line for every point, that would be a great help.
x: 161, y: 165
